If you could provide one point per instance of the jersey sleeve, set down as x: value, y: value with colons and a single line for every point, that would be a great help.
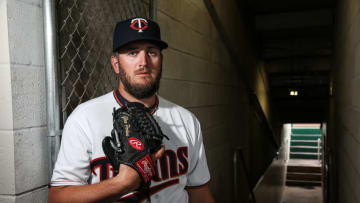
x: 73, y: 162
x: 199, y: 172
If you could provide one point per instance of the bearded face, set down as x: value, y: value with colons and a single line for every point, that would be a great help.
x: 140, y: 90
x: 139, y: 65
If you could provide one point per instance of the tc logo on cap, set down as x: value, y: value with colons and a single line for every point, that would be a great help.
x: 139, y: 24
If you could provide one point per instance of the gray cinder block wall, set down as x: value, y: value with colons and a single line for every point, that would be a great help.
x: 23, y: 142
x: 347, y: 100
x: 199, y: 74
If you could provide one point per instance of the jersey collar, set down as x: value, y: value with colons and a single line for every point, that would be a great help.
x: 122, y: 101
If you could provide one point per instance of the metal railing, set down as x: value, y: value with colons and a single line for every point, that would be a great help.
x: 239, y: 155
x: 318, y: 149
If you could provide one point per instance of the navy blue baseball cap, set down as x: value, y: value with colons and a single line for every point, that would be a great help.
x: 137, y: 29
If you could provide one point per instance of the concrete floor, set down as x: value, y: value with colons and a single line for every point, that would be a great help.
x: 306, y: 194
x: 296, y: 194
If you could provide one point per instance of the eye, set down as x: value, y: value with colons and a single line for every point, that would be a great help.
x: 132, y: 53
x: 153, y: 52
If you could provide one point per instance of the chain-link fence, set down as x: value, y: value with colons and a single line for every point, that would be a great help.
x: 85, y: 31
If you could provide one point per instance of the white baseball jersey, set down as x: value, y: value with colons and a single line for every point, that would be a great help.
x: 81, y: 159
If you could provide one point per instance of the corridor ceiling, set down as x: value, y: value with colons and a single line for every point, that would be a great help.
x: 295, y: 40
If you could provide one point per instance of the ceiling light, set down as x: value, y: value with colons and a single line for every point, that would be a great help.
x: 293, y: 93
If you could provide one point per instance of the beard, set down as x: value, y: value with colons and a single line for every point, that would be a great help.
x: 140, y: 91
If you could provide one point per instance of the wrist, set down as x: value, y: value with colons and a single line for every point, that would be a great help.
x: 128, y: 179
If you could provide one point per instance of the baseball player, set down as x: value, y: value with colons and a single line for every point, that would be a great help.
x: 82, y: 171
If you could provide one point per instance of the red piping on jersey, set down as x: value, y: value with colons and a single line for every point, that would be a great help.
x: 98, y: 158
x: 121, y: 101
x: 117, y: 98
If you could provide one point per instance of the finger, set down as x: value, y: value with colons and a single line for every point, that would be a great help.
x: 158, y: 154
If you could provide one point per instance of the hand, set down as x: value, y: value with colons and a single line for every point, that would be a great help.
x: 158, y: 154
x: 129, y: 177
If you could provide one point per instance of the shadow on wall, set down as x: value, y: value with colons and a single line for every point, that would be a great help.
x: 269, y: 188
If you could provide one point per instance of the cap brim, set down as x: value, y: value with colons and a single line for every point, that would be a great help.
x: 160, y: 43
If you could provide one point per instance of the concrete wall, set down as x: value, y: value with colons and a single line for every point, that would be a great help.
x: 23, y: 139
x: 347, y: 100
x: 199, y: 73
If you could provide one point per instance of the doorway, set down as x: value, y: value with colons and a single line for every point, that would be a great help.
x: 304, y: 171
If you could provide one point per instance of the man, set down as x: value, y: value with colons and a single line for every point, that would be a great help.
x: 83, y: 173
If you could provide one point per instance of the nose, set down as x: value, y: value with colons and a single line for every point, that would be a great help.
x: 143, y: 58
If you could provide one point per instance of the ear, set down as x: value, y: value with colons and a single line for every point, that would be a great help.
x: 115, y: 64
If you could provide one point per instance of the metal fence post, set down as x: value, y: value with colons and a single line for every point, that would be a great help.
x: 53, y: 113
x: 153, y: 8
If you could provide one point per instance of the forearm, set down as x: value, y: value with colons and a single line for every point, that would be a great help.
x: 105, y: 191
x: 205, y: 198
x: 200, y: 194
